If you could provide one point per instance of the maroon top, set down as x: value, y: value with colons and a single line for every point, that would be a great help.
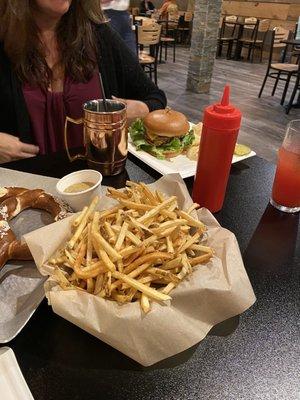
x: 48, y: 111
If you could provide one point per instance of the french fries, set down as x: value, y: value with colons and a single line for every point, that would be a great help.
x: 138, y: 250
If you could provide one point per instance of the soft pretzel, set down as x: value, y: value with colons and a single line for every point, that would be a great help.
x: 13, y: 200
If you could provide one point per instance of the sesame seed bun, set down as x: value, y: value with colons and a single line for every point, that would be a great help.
x: 166, y: 123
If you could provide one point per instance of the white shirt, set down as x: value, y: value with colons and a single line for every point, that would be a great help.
x: 119, y: 5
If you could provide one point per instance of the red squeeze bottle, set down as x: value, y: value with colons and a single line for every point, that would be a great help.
x: 221, y: 124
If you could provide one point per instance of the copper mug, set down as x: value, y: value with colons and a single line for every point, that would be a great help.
x: 104, y: 134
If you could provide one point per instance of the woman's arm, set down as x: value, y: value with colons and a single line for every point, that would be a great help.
x: 163, y: 9
x: 11, y: 148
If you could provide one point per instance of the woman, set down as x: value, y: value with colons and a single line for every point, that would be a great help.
x: 168, y: 7
x: 50, y: 54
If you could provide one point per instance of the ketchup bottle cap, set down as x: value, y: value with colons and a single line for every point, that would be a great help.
x: 223, y: 115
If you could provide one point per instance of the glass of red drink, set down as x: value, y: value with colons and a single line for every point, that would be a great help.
x: 286, y: 187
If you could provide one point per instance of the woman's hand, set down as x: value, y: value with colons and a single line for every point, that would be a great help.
x: 135, y: 109
x: 11, y: 148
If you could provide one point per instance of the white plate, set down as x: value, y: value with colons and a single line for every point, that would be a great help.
x: 12, y: 383
x: 180, y: 164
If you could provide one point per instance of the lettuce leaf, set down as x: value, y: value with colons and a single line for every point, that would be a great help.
x: 177, y: 144
x: 174, y: 145
x: 188, y: 139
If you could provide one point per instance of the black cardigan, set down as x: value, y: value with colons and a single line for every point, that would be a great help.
x: 122, y: 77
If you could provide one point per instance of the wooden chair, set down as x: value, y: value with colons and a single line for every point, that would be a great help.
x: 278, y: 71
x: 140, y: 20
x: 169, y: 37
x: 185, y: 26
x: 227, y: 34
x: 296, y: 49
x: 249, y: 29
x: 258, y: 38
x: 294, y: 92
x: 149, y: 36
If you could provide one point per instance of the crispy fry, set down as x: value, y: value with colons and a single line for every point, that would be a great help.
x: 98, y: 284
x: 145, y: 303
x: 157, y: 209
x: 193, y: 207
x: 127, y: 251
x: 79, y: 218
x: 189, y: 242
x: 107, y: 213
x: 201, y: 259
x: 163, y: 274
x: 106, y: 260
x: 149, y: 194
x: 150, y: 292
x: 138, y: 225
x: 139, y: 251
x: 116, y: 194
x: 100, y: 243
x: 200, y: 247
x: 146, y: 259
x: 90, y: 285
x: 89, y: 250
x: 109, y: 231
x: 121, y: 236
x: 121, y: 252
x: 136, y: 206
x: 176, y: 262
x: 192, y: 221
x: 170, y: 247
x: 169, y: 224
x: 83, y: 223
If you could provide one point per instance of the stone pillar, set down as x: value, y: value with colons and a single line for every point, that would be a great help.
x: 203, y: 46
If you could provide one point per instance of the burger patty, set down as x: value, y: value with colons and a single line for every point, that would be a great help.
x: 156, y: 140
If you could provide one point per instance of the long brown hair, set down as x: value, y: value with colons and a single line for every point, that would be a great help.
x: 75, y: 36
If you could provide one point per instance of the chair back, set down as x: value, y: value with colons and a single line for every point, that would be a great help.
x: 144, y: 20
x: 230, y: 18
x: 188, y: 16
x: 262, y: 28
x: 251, y: 30
x: 173, y: 20
x: 264, y: 25
x: 252, y: 21
x: 228, y: 27
x: 148, y: 35
x: 280, y: 34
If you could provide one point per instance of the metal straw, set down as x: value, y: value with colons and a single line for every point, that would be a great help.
x: 103, y: 93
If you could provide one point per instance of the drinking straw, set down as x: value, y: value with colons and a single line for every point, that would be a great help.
x: 103, y: 92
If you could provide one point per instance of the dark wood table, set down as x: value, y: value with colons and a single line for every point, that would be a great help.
x: 258, y: 360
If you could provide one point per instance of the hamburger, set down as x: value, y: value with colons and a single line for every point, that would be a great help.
x: 163, y: 133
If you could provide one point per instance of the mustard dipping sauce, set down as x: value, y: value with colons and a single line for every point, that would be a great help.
x: 78, y: 187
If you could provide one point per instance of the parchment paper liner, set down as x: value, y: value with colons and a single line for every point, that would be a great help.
x: 213, y: 293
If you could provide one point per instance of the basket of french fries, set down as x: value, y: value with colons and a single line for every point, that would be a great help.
x: 143, y: 270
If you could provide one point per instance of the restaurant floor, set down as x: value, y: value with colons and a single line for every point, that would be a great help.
x: 264, y: 120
